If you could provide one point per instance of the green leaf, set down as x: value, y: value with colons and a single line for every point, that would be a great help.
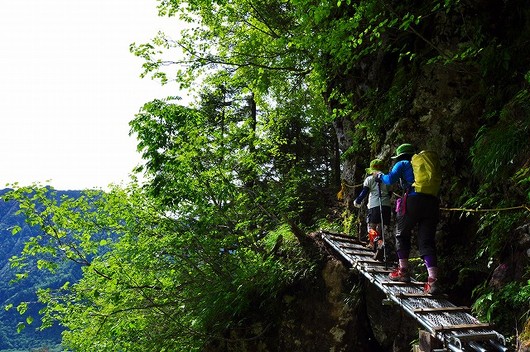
x: 16, y: 229
x: 22, y: 307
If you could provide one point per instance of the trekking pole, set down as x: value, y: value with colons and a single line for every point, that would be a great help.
x: 382, y: 226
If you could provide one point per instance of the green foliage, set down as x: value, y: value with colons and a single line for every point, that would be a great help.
x: 278, y: 46
x: 495, y: 228
x: 45, y: 348
x: 232, y: 157
x: 349, y: 223
x: 160, y: 277
x: 503, y: 306
x: 522, y: 179
x: 511, y: 131
x: 499, y: 156
x: 170, y: 265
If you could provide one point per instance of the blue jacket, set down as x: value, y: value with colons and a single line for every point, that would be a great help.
x: 402, y: 170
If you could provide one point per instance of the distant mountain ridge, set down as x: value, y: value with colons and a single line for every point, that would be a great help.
x: 14, y: 293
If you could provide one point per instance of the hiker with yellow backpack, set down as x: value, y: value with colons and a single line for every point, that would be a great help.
x: 419, y: 176
x: 379, y: 210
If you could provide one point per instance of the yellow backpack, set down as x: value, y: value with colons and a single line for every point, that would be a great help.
x: 427, y: 172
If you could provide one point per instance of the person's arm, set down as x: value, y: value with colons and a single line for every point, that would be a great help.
x: 393, y: 176
x: 364, y: 192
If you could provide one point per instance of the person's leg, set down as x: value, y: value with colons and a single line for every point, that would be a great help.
x: 405, y: 224
x: 372, y: 235
x: 379, y: 240
x: 385, y: 230
x: 404, y: 229
x: 373, y: 226
x: 427, y: 240
x: 386, y: 216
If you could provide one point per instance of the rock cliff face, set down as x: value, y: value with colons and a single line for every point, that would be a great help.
x: 339, y: 312
x: 447, y: 115
x: 475, y: 112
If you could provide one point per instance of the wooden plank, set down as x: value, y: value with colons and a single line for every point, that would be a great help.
x: 419, y: 295
x: 351, y: 244
x: 441, y: 310
x: 412, y: 295
x: 357, y: 252
x: 462, y: 327
x: 334, y: 234
x: 378, y: 270
x: 344, y: 239
x: 400, y: 283
x: 355, y: 248
x: 367, y: 261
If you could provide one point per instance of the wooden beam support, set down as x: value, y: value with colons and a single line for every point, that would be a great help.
x: 378, y: 270
x: 360, y: 252
x: 400, y: 283
x: 462, y: 327
x: 441, y: 310
x: 419, y: 295
x: 412, y: 295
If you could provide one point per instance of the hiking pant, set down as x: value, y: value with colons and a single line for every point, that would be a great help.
x: 422, y: 210
x: 373, y: 218
x: 374, y: 215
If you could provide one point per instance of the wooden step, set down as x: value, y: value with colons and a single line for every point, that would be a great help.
x: 378, y: 270
x: 359, y: 252
x: 359, y: 260
x: 441, y: 310
x: 400, y: 283
x: 462, y: 327
x: 355, y: 248
x: 413, y: 295
x: 344, y: 239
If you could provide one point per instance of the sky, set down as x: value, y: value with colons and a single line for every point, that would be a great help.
x: 69, y: 87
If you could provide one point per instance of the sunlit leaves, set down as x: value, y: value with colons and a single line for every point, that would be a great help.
x: 22, y: 307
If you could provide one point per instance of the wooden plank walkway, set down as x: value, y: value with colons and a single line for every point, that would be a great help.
x: 454, y: 326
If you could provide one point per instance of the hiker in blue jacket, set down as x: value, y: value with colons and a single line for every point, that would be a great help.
x: 375, y: 204
x: 413, y: 209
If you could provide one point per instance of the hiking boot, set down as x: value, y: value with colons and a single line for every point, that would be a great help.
x: 432, y: 287
x: 400, y: 274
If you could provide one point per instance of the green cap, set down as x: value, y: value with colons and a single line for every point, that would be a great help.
x: 375, y: 165
x: 403, y: 149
